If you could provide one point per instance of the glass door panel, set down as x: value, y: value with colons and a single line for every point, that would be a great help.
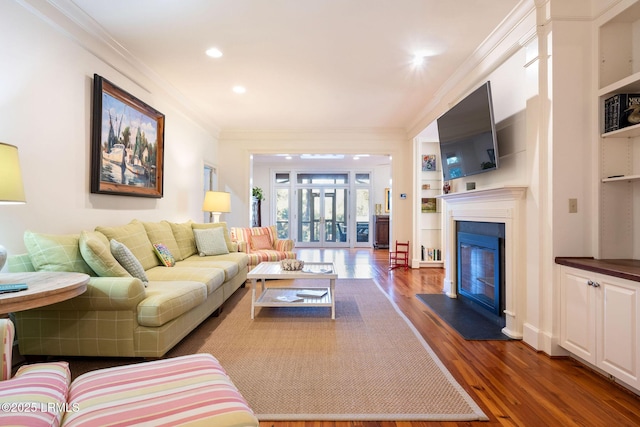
x: 363, y: 217
x: 322, y: 217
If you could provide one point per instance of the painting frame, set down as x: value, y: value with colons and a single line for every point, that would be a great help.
x: 125, y: 162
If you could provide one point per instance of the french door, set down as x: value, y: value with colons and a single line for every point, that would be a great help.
x: 322, y: 216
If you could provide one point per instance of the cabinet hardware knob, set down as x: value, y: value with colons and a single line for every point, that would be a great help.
x: 590, y: 283
x: 596, y: 284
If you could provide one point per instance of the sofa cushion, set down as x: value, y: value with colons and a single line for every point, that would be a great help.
x: 133, y: 236
x: 183, y: 234
x: 166, y: 301
x: 96, y: 251
x: 211, y: 277
x: 161, y: 233
x: 38, y: 393
x: 223, y: 225
x: 210, y: 241
x: 126, y: 258
x: 192, y: 390
x: 230, y: 268
x: 52, y: 252
x: 164, y: 255
x: 239, y: 258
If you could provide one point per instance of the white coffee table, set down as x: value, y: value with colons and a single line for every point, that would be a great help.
x: 269, y: 295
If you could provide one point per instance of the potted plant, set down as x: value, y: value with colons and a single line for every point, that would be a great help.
x: 257, y: 193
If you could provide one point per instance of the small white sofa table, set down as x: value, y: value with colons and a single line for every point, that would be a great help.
x: 280, y: 296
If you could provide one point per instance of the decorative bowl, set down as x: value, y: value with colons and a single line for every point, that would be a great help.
x: 291, y: 264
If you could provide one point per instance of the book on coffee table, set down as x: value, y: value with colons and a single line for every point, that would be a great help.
x: 287, y: 298
x: 315, y: 293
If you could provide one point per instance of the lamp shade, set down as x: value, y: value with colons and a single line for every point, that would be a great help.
x: 11, y: 187
x: 217, y: 201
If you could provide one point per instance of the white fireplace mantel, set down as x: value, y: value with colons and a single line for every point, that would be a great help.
x: 505, y: 204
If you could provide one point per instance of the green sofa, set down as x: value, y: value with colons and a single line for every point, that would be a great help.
x: 136, y: 305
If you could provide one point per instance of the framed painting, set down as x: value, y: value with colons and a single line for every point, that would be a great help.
x: 127, y: 143
x: 429, y: 162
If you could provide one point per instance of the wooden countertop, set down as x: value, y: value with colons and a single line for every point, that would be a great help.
x: 623, y: 268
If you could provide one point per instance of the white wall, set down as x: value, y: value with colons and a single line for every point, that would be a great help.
x: 45, y: 110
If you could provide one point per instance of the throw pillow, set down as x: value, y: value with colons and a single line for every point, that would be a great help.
x: 52, y: 252
x: 231, y: 246
x: 210, y: 241
x: 260, y: 241
x: 126, y: 258
x: 164, y: 255
x: 96, y: 251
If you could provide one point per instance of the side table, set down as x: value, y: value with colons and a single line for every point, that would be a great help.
x: 45, y: 287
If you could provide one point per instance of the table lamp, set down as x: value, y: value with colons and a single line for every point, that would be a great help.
x: 216, y: 202
x: 11, y: 188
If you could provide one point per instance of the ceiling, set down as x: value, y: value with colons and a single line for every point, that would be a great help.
x: 305, y: 64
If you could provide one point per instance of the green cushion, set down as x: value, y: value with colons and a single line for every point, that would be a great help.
x: 161, y: 233
x: 126, y: 258
x: 210, y: 241
x: 183, y: 234
x: 223, y: 225
x: 52, y: 252
x: 96, y: 251
x: 133, y: 236
x: 166, y: 301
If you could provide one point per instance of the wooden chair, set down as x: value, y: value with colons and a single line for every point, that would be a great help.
x: 400, y: 256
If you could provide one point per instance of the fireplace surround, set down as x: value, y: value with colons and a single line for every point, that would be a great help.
x: 504, y: 205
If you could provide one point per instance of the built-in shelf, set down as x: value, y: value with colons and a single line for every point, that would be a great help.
x: 629, y: 84
x: 622, y: 178
x: 628, y: 132
x: 431, y: 263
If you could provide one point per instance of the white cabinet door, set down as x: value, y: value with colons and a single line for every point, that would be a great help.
x: 578, y: 314
x: 619, y: 335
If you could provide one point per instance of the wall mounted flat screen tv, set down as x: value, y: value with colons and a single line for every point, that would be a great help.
x: 468, y: 143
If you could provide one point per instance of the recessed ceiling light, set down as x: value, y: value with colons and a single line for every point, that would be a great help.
x: 239, y: 89
x: 214, y: 52
x: 420, y: 56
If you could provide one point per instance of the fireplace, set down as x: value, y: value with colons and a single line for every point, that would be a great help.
x: 480, y: 268
x: 504, y: 206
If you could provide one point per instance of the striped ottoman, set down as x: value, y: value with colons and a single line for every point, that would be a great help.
x: 193, y: 390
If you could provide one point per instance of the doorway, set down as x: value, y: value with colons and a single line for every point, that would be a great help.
x: 322, y: 216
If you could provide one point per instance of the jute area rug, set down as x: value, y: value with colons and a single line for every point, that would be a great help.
x: 298, y: 364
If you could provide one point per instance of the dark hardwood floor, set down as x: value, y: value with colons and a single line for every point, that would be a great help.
x: 513, y: 384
